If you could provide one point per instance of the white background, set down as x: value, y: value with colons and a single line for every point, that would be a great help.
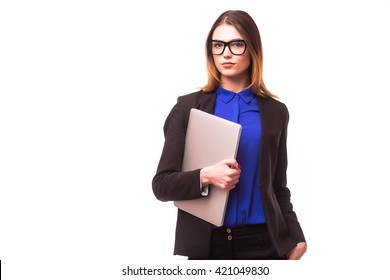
x: 85, y: 88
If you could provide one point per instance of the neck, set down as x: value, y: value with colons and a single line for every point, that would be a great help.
x: 235, y: 85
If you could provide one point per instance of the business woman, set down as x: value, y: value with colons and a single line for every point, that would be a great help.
x: 260, y: 222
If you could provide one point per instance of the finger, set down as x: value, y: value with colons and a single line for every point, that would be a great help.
x: 234, y: 183
x: 232, y: 163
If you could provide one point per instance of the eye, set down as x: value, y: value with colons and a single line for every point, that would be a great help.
x: 217, y: 45
x: 238, y: 44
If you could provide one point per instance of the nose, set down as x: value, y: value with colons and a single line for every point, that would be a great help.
x: 226, y: 52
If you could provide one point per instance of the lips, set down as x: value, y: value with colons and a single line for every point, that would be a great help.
x: 228, y: 64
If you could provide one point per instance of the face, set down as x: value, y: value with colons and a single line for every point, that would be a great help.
x: 232, y: 67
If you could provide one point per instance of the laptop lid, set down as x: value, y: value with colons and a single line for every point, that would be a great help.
x: 209, y: 139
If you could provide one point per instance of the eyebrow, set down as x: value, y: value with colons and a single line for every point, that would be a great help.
x: 238, y: 39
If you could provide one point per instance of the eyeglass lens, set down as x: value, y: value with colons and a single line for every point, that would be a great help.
x: 236, y: 47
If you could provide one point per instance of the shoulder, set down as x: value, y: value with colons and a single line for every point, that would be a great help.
x: 200, y: 100
x: 180, y: 112
x: 194, y: 98
x: 273, y: 105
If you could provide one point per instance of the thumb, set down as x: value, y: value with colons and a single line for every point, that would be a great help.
x: 232, y: 163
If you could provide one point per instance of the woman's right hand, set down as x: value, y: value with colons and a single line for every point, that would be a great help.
x: 224, y: 174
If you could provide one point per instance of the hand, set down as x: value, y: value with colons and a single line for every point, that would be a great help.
x: 224, y: 174
x: 298, y: 251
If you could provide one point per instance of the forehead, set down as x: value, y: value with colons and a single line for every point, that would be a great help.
x: 226, y: 32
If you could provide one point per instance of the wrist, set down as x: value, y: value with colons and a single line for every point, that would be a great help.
x: 204, y: 180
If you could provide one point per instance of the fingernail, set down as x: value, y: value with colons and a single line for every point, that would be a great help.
x: 239, y: 166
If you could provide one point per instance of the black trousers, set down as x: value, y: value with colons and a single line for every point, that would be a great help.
x: 250, y: 242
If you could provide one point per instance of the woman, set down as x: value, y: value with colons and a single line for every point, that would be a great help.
x: 260, y: 222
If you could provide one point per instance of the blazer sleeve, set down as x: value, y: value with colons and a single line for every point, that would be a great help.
x: 282, y: 192
x: 170, y: 183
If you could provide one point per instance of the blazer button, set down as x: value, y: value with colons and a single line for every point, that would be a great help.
x: 230, y: 237
x: 229, y: 230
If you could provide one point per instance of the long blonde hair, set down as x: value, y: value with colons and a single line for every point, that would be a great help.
x: 247, y: 27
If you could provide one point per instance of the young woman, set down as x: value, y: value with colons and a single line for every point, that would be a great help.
x: 260, y: 222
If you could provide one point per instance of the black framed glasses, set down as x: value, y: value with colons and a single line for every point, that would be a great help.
x: 236, y: 47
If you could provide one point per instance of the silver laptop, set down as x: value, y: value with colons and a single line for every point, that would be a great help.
x: 209, y: 139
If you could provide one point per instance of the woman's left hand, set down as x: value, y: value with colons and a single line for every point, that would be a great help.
x: 298, y: 251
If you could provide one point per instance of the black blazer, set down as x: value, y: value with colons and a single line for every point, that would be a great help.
x: 169, y: 183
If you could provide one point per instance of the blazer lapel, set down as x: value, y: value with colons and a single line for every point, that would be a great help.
x: 206, y: 102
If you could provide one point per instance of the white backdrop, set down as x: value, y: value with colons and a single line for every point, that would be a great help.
x: 85, y: 88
